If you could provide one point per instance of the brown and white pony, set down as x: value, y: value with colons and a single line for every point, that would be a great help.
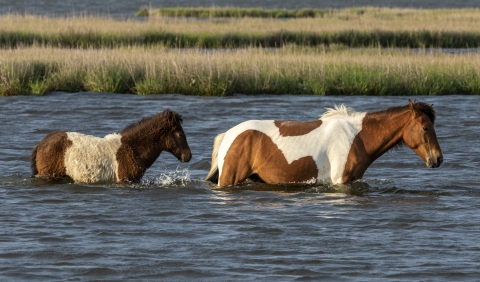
x: 338, y: 148
x: 122, y: 157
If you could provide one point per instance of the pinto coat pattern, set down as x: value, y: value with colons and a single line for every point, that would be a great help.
x: 116, y: 157
x: 337, y: 148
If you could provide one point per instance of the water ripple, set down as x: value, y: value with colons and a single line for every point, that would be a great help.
x: 402, y: 221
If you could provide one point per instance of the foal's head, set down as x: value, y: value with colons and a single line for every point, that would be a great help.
x: 419, y: 134
x: 175, y: 139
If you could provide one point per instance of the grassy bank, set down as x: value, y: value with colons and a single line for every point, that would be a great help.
x: 292, y: 70
x: 349, y: 27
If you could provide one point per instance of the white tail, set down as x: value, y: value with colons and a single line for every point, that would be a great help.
x: 213, y: 174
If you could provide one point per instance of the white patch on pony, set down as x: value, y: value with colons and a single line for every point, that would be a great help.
x: 92, y: 159
x: 328, y: 144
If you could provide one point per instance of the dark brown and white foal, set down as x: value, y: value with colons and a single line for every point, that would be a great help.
x: 122, y: 157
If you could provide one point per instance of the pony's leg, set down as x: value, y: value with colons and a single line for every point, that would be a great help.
x: 237, y: 165
x: 232, y: 174
x: 129, y: 168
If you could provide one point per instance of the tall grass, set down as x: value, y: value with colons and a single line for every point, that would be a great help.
x: 365, y: 27
x: 354, y: 39
x: 292, y: 70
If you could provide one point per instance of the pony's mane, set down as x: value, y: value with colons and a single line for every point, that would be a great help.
x: 167, y: 121
x: 339, y: 110
x: 427, y: 109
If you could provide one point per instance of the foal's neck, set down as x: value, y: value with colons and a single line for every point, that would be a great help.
x: 382, y: 131
x: 147, y: 145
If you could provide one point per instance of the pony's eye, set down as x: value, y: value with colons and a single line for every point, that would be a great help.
x: 425, y: 128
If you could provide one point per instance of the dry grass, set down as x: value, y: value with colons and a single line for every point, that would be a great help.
x: 351, y: 27
x: 366, y: 19
x: 291, y: 70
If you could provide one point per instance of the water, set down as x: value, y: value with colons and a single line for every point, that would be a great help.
x: 129, y: 8
x: 402, y: 221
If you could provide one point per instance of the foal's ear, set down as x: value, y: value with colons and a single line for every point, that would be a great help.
x: 169, y: 115
x: 413, y: 108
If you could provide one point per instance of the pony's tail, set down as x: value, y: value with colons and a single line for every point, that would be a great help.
x: 33, y: 161
x: 213, y: 174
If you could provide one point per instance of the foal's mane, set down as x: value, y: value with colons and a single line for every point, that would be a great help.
x: 167, y: 121
x: 427, y: 109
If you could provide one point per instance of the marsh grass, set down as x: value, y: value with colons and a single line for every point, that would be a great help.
x: 354, y: 39
x: 361, y: 27
x: 291, y: 70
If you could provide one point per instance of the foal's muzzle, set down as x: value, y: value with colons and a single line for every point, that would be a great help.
x: 434, y: 163
x: 185, y: 158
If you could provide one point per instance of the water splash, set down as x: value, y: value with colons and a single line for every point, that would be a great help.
x: 178, y: 178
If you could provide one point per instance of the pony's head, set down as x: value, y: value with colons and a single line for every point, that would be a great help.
x: 175, y: 139
x: 419, y: 134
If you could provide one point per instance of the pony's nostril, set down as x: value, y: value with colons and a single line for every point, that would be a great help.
x: 186, y: 158
x: 439, y: 160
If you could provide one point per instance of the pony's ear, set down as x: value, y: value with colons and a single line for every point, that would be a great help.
x: 413, y: 108
x: 172, y: 117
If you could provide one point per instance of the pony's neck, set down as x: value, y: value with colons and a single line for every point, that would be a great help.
x: 147, y: 146
x: 382, y: 131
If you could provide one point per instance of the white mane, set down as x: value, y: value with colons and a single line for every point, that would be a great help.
x: 340, y: 110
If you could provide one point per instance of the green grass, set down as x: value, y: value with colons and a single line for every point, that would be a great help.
x: 292, y: 70
x: 348, y: 38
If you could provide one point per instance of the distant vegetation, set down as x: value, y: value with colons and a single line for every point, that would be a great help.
x: 336, y: 52
x: 356, y: 28
x: 218, y: 12
x: 291, y: 70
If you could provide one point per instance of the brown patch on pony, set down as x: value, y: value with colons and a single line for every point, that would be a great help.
x: 137, y: 151
x: 296, y: 128
x: 48, y: 157
x: 357, y: 161
x: 253, y: 152
x: 365, y: 146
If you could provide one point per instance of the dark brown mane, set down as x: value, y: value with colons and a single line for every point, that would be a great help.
x: 167, y: 120
x: 425, y: 108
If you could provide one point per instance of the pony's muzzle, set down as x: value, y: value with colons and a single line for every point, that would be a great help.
x: 185, y: 158
x: 434, y: 163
